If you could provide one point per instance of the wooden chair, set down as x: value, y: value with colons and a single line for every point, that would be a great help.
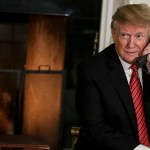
x: 75, y: 133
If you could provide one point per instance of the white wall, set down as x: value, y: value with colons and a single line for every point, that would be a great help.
x: 108, y: 9
x: 142, y: 1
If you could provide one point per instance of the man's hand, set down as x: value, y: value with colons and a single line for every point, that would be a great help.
x: 147, y: 51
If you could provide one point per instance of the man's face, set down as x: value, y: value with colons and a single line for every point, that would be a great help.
x: 130, y: 40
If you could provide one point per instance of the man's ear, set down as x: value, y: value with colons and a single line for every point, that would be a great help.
x: 113, y: 34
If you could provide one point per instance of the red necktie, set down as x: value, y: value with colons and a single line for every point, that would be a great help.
x: 136, y: 91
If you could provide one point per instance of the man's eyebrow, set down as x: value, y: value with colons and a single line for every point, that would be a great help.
x: 128, y: 33
x: 140, y: 33
x: 123, y: 32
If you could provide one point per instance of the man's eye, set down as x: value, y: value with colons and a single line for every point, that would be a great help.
x: 125, y: 36
x: 139, y: 36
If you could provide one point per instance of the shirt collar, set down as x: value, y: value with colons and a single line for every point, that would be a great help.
x: 125, y: 65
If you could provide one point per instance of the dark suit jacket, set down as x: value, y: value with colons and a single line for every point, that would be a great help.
x: 104, y: 104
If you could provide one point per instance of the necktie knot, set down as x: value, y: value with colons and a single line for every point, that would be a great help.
x: 134, y: 67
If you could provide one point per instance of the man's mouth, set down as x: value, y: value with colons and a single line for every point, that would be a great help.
x: 132, y: 53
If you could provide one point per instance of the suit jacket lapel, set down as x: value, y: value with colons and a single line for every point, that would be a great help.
x: 146, y: 95
x: 122, y: 87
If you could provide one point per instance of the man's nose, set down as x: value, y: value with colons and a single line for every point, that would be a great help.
x: 131, y: 42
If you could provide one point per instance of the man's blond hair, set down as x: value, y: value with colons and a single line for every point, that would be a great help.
x: 133, y: 14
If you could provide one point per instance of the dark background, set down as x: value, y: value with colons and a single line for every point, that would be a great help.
x: 80, y: 8
x: 83, y: 24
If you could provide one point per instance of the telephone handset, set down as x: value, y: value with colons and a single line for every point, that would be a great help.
x: 141, y: 61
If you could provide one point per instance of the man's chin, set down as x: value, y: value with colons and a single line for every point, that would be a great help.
x: 130, y: 60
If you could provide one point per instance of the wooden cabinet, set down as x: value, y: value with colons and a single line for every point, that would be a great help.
x: 44, y: 77
x: 40, y: 71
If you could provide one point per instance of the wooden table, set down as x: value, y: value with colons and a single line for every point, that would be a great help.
x: 22, y: 141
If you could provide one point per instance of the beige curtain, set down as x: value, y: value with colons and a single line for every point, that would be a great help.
x: 108, y: 9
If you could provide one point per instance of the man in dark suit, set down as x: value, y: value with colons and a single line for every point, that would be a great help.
x: 104, y: 103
